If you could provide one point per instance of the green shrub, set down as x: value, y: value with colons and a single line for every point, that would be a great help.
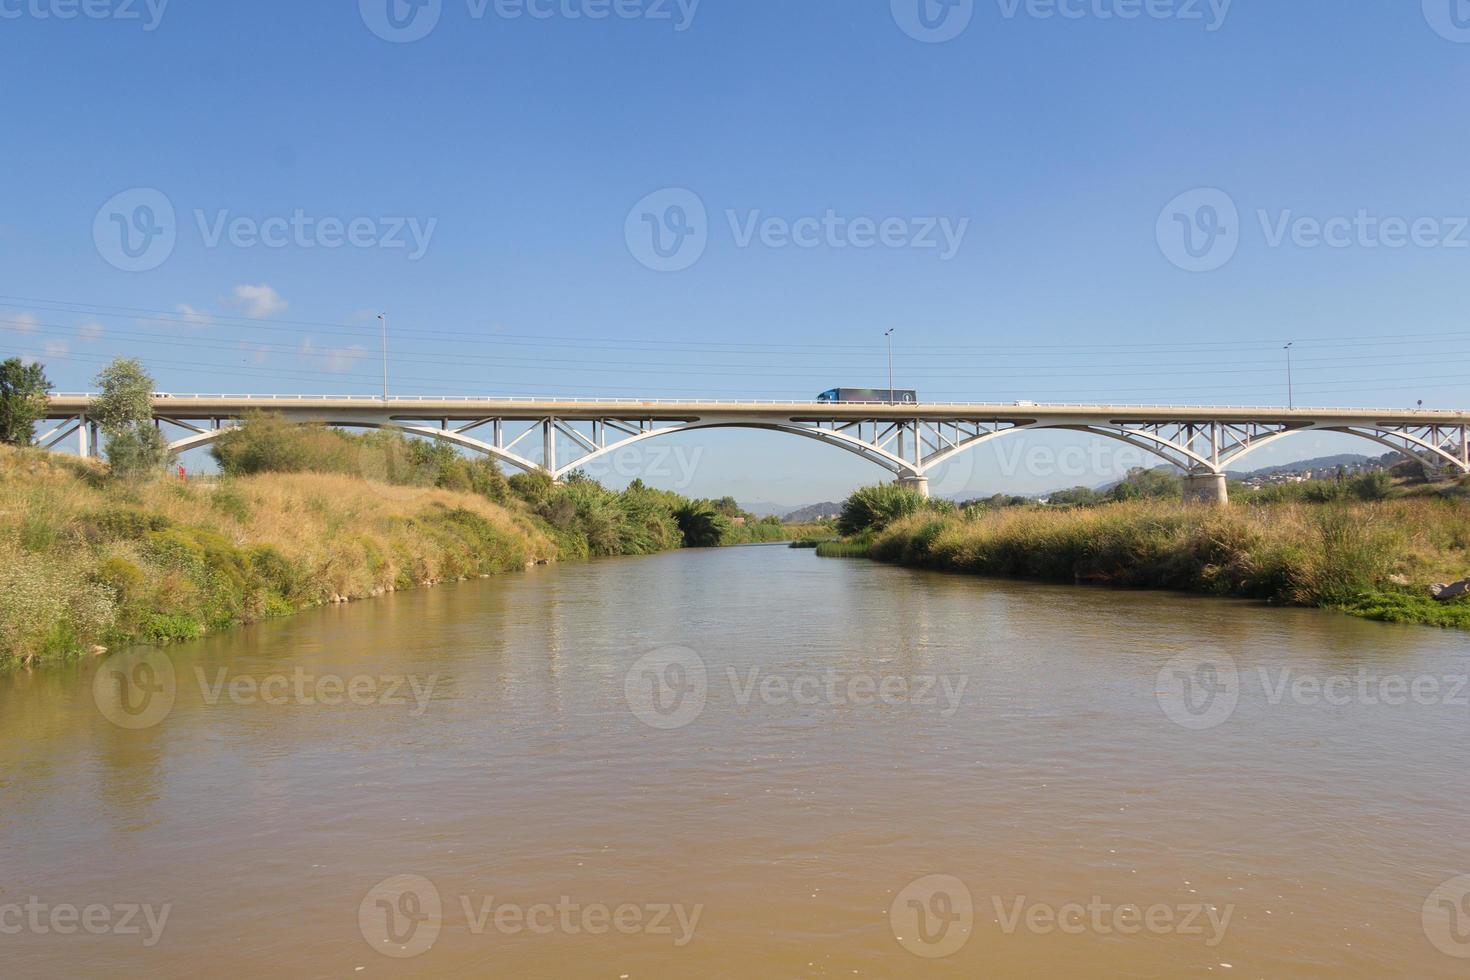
x: 874, y: 508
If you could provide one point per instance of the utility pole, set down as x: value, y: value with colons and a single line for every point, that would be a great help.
x: 889, y: 337
x: 383, y: 317
x: 1290, y: 394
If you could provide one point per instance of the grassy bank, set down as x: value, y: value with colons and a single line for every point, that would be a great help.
x: 1372, y: 559
x: 85, y: 560
x: 299, y: 518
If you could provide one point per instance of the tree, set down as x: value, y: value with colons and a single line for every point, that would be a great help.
x: 23, y: 391
x: 701, y: 525
x: 124, y: 410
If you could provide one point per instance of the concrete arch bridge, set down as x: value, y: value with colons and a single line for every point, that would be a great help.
x: 557, y: 436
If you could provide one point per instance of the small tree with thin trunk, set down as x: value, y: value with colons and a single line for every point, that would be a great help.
x: 23, y: 391
x: 124, y: 410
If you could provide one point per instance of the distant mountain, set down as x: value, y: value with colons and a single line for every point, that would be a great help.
x: 812, y: 512
x: 1320, y: 463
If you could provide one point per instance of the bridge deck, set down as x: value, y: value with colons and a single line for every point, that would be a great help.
x: 208, y: 406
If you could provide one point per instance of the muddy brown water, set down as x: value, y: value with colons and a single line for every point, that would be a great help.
x: 746, y: 763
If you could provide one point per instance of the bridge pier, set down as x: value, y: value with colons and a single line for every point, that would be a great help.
x: 918, y: 484
x: 1206, y: 488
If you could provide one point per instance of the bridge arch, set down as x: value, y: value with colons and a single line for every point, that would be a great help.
x: 1227, y: 445
x: 1423, y: 451
x: 872, y: 454
x: 206, y: 438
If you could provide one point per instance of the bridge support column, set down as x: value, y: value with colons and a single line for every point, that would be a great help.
x: 1206, y: 488
x: 918, y: 484
x: 84, y: 450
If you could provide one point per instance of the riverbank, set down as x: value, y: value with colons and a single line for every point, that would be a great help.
x: 86, y: 561
x: 1375, y: 560
x: 90, y: 561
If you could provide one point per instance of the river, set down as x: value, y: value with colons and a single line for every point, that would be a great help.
x: 741, y: 763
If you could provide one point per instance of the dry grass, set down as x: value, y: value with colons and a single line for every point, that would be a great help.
x: 1375, y: 559
x: 84, y: 560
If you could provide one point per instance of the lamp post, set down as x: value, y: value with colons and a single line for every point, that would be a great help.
x: 889, y: 337
x: 383, y: 318
x: 1290, y: 394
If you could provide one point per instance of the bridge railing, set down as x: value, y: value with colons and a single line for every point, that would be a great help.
x: 738, y: 402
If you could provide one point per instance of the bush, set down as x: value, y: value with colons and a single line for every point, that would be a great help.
x: 1372, y: 486
x: 874, y: 508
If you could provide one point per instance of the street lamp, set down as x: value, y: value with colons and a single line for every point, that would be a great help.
x: 889, y: 337
x: 1290, y: 395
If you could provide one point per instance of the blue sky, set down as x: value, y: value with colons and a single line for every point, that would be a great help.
x: 1013, y: 199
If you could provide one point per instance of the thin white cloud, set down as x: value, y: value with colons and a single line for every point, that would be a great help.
x: 194, y: 317
x: 21, y: 323
x: 259, y: 301
x: 333, y: 360
x: 56, y: 348
x: 90, y: 330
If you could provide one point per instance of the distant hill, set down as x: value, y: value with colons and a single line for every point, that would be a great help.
x: 811, y: 512
x: 1319, y: 463
x: 764, y: 508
